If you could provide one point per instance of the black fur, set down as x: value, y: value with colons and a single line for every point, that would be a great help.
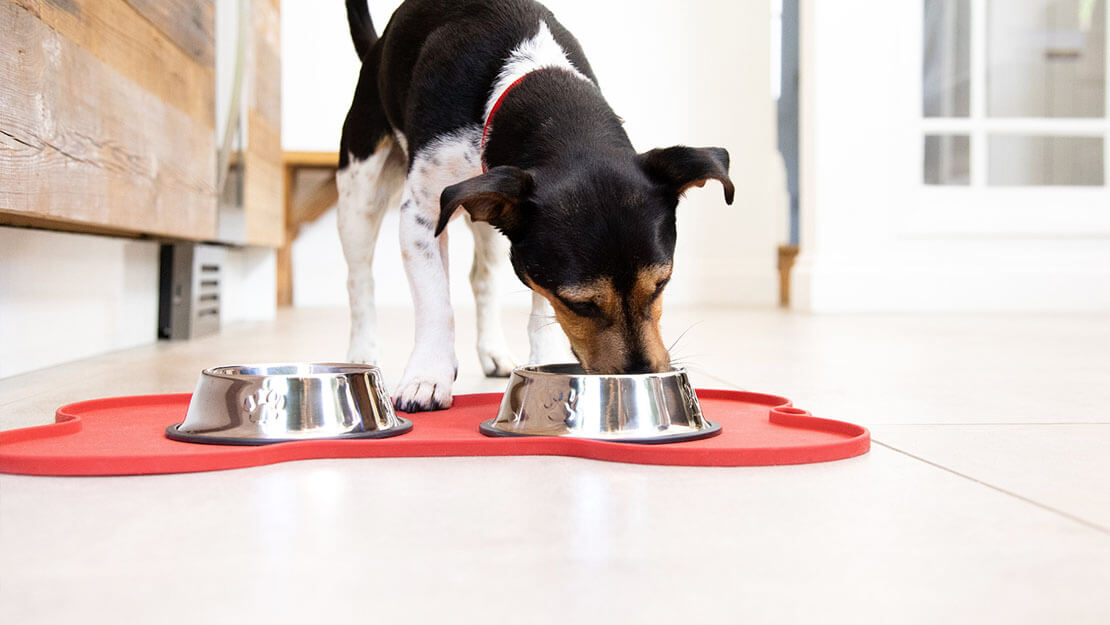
x: 565, y: 186
x: 362, y: 27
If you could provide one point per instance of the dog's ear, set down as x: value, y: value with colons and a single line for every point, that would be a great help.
x: 492, y: 197
x: 681, y: 167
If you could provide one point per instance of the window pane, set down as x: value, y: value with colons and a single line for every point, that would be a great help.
x: 947, y: 159
x: 1046, y: 58
x: 1027, y: 161
x: 947, y: 62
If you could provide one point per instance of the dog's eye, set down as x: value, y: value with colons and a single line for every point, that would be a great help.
x: 659, y: 288
x: 585, y: 308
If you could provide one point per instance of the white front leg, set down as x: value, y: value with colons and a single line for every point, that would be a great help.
x: 432, y: 367
x: 548, y: 342
x: 491, y: 251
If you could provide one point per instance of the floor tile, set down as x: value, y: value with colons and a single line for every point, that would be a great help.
x: 882, y: 538
x: 1060, y: 466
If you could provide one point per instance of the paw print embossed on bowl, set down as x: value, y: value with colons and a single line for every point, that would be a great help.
x: 273, y: 403
x: 563, y: 400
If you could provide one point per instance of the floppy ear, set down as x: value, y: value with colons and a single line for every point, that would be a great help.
x: 681, y: 167
x: 492, y: 197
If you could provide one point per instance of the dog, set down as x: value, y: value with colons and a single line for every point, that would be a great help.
x: 489, y: 108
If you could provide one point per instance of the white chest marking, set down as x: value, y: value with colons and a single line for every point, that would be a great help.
x: 536, y: 53
x: 444, y: 161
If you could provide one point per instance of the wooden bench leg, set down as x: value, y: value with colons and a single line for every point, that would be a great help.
x: 285, y: 252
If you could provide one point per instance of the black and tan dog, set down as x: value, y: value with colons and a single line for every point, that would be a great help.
x: 491, y: 106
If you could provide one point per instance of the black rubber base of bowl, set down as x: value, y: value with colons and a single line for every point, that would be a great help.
x: 711, y: 429
x: 173, y: 433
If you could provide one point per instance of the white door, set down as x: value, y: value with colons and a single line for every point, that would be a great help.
x: 955, y: 155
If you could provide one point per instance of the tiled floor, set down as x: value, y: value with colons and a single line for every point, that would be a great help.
x: 985, y: 498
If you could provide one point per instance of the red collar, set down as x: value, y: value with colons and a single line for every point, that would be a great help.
x: 493, y: 111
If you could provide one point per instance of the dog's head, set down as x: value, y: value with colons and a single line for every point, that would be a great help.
x: 595, y: 238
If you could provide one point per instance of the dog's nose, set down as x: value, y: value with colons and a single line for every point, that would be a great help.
x: 638, y: 364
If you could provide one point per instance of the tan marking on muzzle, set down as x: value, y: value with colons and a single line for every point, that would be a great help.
x: 602, y: 343
x: 651, y: 339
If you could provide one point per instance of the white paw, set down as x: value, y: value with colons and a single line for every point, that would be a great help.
x: 422, y: 395
x: 425, y: 388
x: 497, y: 362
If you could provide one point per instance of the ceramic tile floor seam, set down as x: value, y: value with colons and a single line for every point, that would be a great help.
x: 1033, y: 502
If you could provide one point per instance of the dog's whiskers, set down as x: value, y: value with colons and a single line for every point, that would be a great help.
x: 684, y: 332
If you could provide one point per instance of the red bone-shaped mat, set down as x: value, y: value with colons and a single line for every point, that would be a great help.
x: 125, y: 436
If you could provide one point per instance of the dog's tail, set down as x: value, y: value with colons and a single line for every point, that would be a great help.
x: 362, y: 27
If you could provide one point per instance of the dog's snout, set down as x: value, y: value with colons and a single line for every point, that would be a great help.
x: 641, y: 361
x: 638, y: 364
x: 635, y: 363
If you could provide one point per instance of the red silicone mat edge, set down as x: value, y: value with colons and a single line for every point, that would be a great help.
x: 855, y: 440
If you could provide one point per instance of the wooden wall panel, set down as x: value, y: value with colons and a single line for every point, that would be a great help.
x: 189, y: 24
x: 115, y: 33
x: 264, y: 191
x: 91, y: 135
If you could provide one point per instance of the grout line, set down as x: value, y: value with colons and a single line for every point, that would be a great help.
x: 1072, y: 517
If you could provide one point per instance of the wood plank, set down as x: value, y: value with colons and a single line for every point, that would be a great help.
x: 264, y: 83
x: 190, y: 24
x: 82, y: 143
x: 787, y: 255
x: 20, y: 220
x: 311, y: 159
x: 319, y: 200
x: 263, y: 193
x: 284, y: 275
x: 284, y: 257
x: 124, y: 40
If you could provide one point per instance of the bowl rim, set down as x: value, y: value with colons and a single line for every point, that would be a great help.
x: 337, y: 369
x: 539, y: 371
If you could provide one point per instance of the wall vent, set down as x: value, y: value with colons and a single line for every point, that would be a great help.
x: 190, y: 290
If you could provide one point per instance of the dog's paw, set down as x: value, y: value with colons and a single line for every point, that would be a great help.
x: 423, y: 393
x: 497, y: 362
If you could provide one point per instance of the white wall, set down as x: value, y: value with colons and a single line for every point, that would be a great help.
x: 873, y: 238
x: 250, y: 285
x: 68, y: 296
x: 694, y: 73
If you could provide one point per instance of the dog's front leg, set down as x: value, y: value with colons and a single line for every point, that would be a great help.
x: 426, y: 384
x: 491, y: 251
x: 548, y: 342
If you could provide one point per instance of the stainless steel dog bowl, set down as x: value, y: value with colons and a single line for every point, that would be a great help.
x: 563, y: 400
x: 260, y: 404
